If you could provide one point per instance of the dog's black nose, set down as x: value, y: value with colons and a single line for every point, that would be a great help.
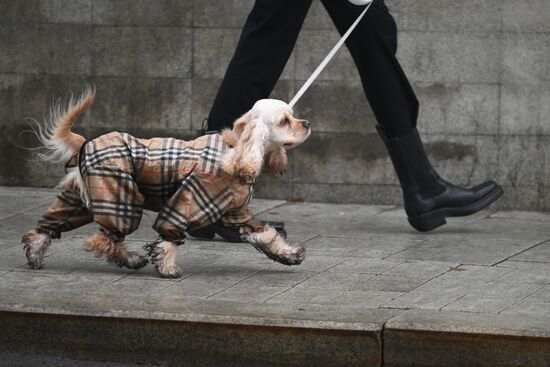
x: 305, y: 123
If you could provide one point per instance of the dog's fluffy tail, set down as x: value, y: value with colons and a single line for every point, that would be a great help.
x: 57, y: 135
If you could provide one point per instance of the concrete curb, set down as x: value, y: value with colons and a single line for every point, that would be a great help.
x: 229, y: 334
x: 189, y: 338
x: 447, y: 338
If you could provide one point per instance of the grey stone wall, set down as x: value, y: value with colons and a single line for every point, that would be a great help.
x: 480, y: 69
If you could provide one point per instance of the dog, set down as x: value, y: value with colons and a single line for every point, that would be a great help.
x: 111, y: 179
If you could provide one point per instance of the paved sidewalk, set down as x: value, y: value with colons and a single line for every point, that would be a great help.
x: 365, y: 269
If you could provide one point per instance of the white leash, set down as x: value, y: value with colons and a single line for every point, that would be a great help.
x: 331, y: 54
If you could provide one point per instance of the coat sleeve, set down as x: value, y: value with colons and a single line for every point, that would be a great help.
x: 237, y: 217
x: 201, y: 199
x: 240, y: 213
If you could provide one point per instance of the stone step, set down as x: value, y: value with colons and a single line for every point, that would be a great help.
x: 464, y: 339
x: 215, y: 333
x: 195, y: 334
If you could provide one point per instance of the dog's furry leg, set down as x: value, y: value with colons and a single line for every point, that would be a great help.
x: 115, y: 252
x: 35, y: 244
x: 276, y: 248
x: 163, y: 256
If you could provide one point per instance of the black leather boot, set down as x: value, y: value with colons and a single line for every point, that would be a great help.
x: 428, y: 198
x: 231, y: 234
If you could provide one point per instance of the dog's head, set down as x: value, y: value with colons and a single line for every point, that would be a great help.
x: 261, y: 137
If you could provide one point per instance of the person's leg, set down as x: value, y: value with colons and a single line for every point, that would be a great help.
x: 428, y: 198
x: 373, y: 46
x: 266, y: 42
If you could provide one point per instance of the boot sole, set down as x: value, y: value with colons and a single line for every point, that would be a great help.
x: 228, y: 235
x: 436, y: 218
x: 210, y: 233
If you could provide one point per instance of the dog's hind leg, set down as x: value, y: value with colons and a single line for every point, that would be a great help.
x: 114, y: 250
x: 67, y: 212
x: 35, y: 243
x: 117, y: 206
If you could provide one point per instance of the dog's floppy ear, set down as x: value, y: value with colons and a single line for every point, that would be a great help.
x: 240, y: 124
x: 232, y: 135
x: 276, y: 162
x: 245, y: 159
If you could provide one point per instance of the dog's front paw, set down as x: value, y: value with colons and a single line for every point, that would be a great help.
x: 35, y: 245
x: 169, y: 271
x: 276, y: 248
x: 295, y: 256
x: 163, y: 256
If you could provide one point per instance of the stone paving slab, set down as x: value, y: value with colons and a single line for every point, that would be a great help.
x: 484, y: 278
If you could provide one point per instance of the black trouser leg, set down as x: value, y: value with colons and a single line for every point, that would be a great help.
x: 266, y: 42
x: 373, y: 45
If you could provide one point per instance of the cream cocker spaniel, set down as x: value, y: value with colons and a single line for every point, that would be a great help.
x: 113, y: 178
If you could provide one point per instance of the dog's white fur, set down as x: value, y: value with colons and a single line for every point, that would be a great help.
x: 275, y: 247
x: 163, y: 256
x: 263, y: 134
x: 258, y: 140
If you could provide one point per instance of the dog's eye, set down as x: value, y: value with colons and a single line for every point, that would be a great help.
x: 286, y: 121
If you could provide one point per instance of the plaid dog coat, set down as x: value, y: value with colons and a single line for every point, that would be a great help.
x: 181, y: 180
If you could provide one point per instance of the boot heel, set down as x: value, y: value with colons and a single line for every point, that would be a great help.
x: 427, y: 222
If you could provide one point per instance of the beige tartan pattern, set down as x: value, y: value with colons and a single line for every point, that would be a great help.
x: 181, y: 180
x: 66, y: 213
